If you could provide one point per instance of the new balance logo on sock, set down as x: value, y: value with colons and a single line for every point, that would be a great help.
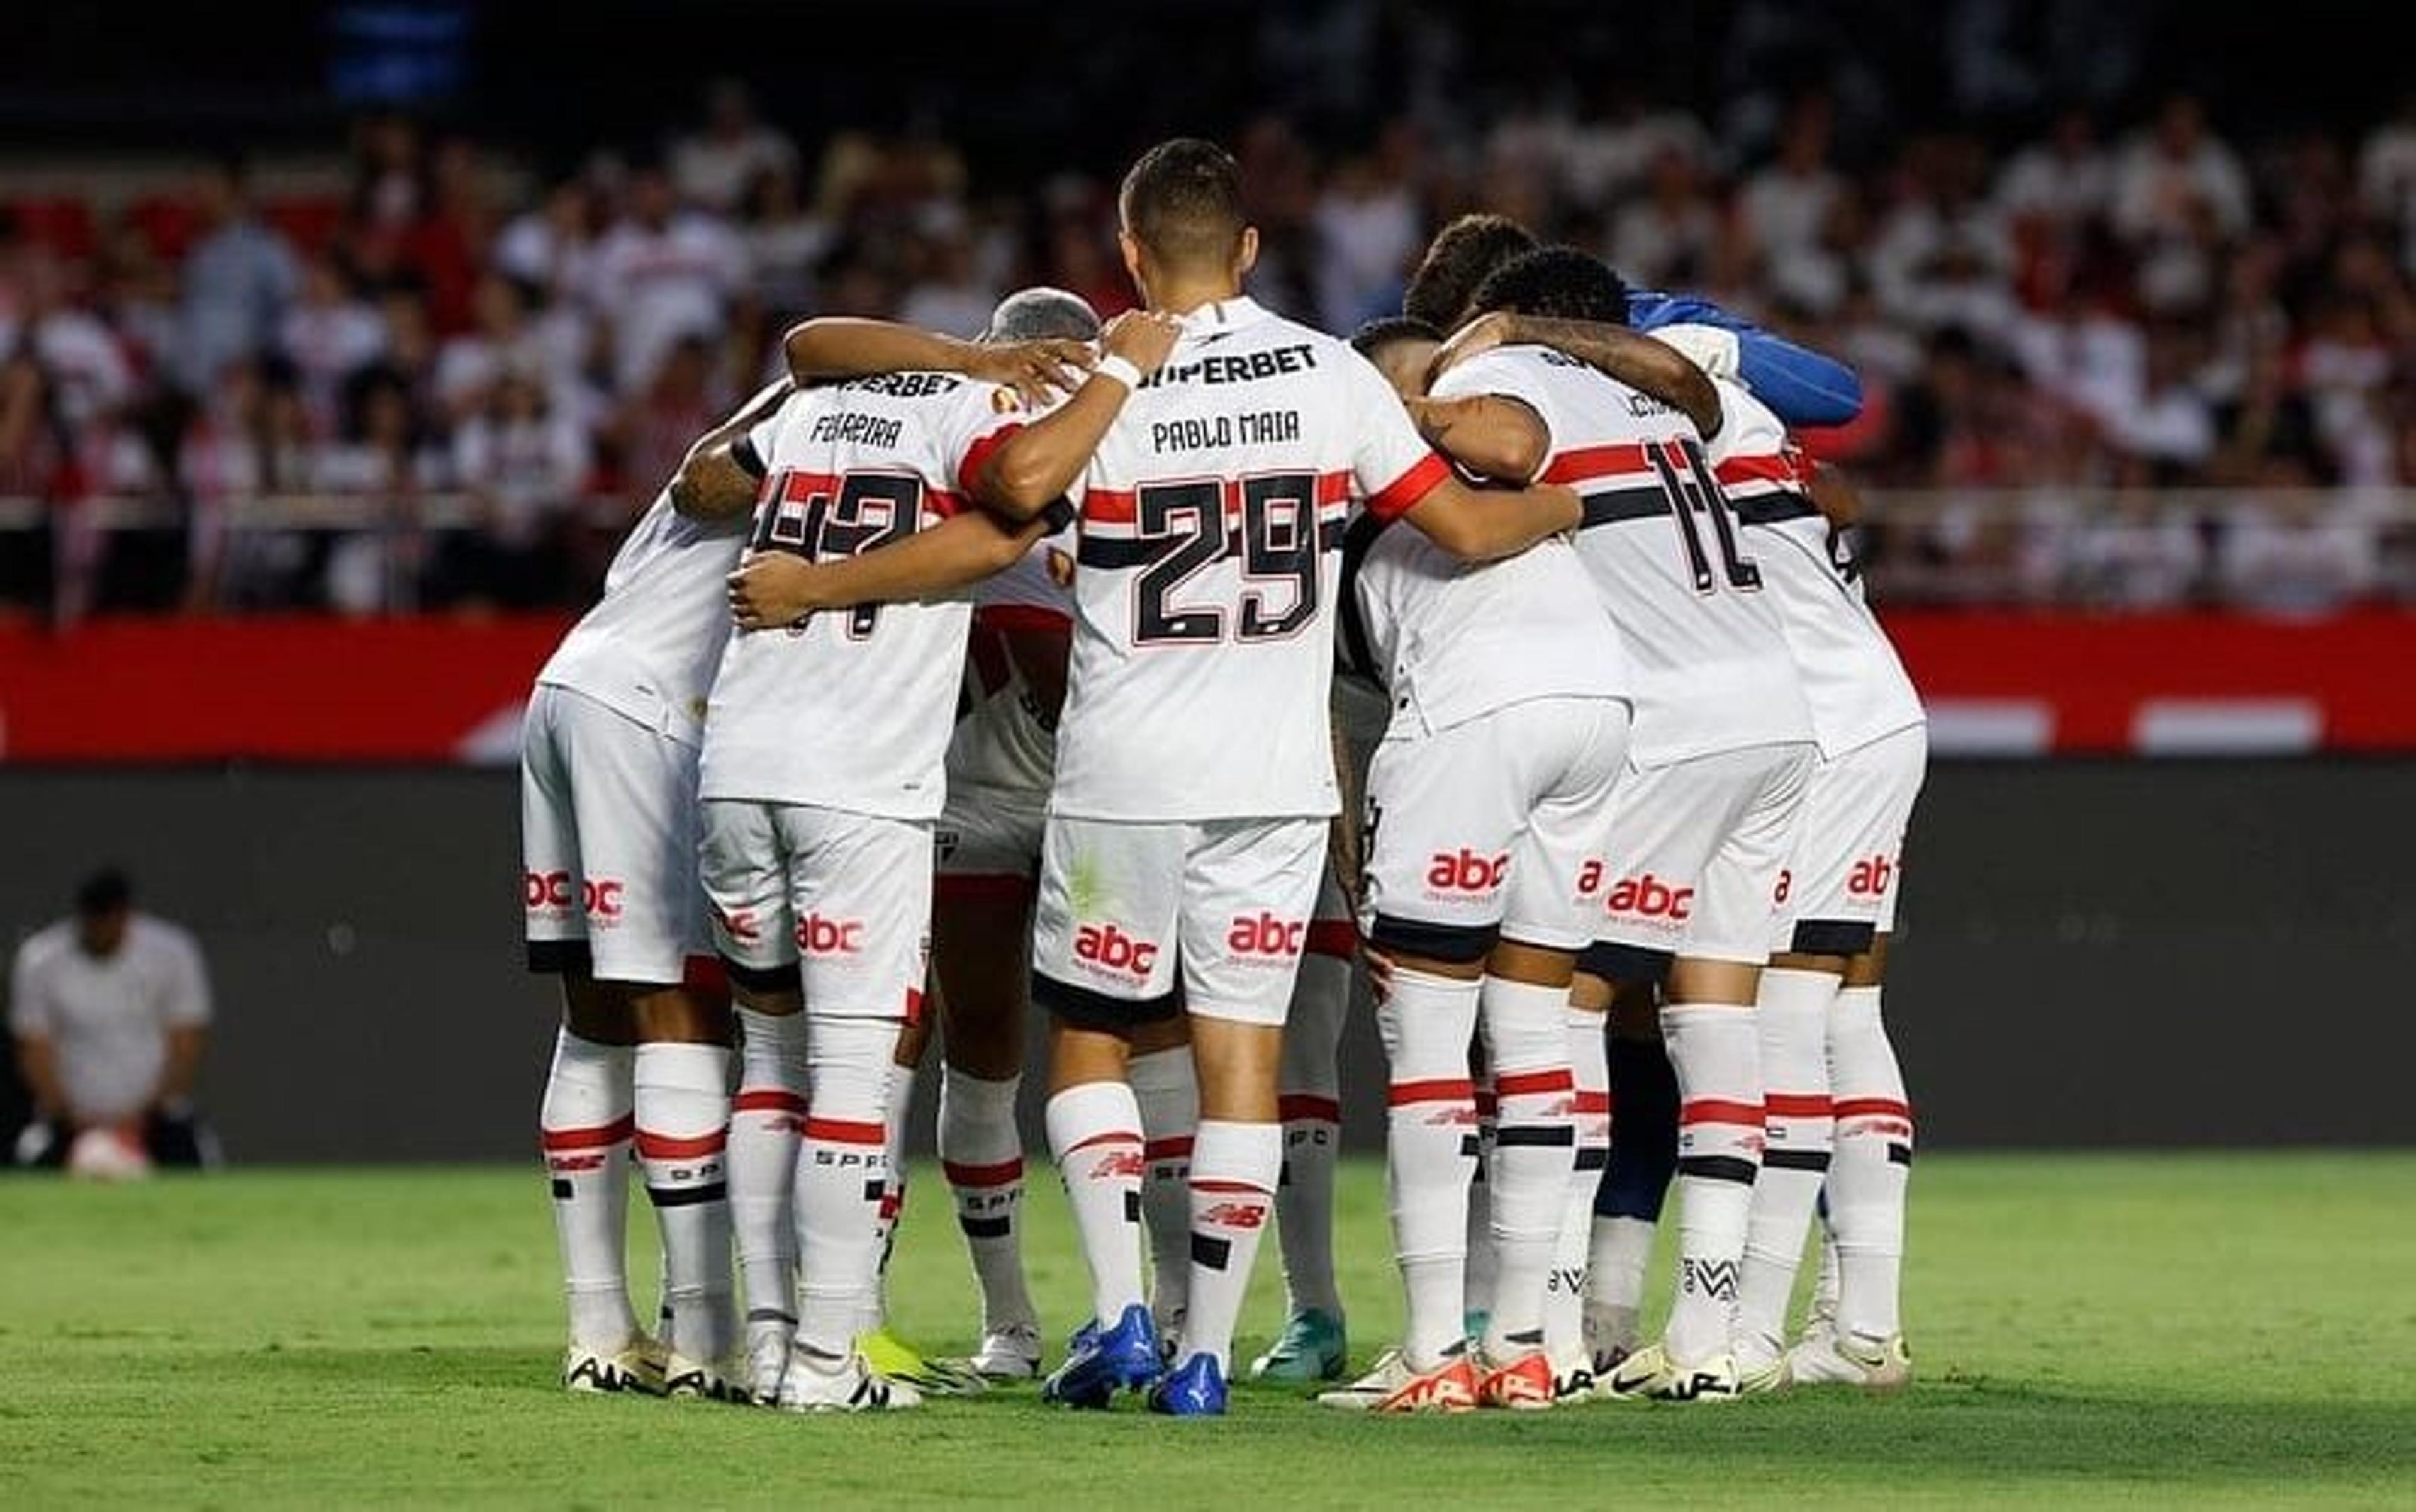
x: 1236, y: 1215
x: 1714, y: 1278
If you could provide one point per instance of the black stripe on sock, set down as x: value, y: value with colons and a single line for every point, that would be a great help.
x: 1719, y: 1168
x: 1132, y: 1207
x: 1538, y: 1134
x: 688, y: 1195
x: 561, y: 1190
x: 1796, y: 1159
x: 985, y: 1228
x: 1899, y: 1155
x: 1212, y: 1252
x: 876, y: 1190
x: 1592, y: 1157
x: 756, y: 1315
x: 1283, y: 1177
x: 1471, y: 1147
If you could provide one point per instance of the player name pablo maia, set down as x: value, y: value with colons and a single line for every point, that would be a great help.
x: 1254, y: 428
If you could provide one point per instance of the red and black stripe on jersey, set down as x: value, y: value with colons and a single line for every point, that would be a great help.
x: 1108, y: 514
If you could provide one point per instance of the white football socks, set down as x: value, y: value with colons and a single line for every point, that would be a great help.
x: 981, y: 1152
x: 1311, y: 1110
x: 765, y: 1120
x: 1430, y: 1153
x: 1235, y: 1168
x: 683, y: 1126
x: 1167, y: 1091
x: 1590, y: 1074
x: 842, y: 1178
x: 1535, y: 1140
x: 1094, y: 1134
x: 893, y: 1201
x: 1794, y: 1019
x: 1717, y: 1055
x: 585, y: 1127
x: 1871, y: 1167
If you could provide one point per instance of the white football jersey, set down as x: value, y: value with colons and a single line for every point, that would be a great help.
x: 1453, y: 640
x: 1853, y: 680
x: 1710, y: 670
x: 1004, y: 738
x: 1210, y: 532
x: 648, y: 648
x: 853, y: 711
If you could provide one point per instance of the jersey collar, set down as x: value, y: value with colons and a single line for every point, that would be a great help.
x: 1224, y: 315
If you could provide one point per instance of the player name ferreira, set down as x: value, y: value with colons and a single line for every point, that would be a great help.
x: 1253, y: 429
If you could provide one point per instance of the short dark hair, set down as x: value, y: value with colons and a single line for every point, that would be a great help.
x: 1183, y: 203
x: 1041, y: 312
x: 1442, y: 290
x: 106, y: 891
x: 1560, y: 281
x: 1376, y: 335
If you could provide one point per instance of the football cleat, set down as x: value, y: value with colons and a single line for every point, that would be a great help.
x: 635, y: 1367
x: 1572, y: 1381
x: 889, y: 1355
x: 1835, y: 1359
x: 1651, y: 1375
x: 1762, y: 1379
x: 1195, y: 1388
x: 1394, y: 1385
x: 816, y: 1383
x: 1008, y: 1354
x: 1310, y: 1347
x: 1522, y: 1383
x: 769, y: 1335
x: 1124, y: 1357
x: 1610, y: 1336
x: 706, y: 1380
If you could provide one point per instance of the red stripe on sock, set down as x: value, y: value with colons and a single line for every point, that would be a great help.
x: 1113, y: 1136
x: 1165, y: 1149
x: 653, y: 1146
x: 1720, y: 1111
x: 1486, y: 1101
x: 1294, y: 1105
x: 1235, y: 1188
x: 846, y: 1131
x: 767, y: 1100
x: 1592, y: 1102
x: 1872, y: 1108
x: 996, y: 1174
x: 1401, y: 1093
x: 1795, y: 1105
x: 1331, y: 937
x: 589, y: 1138
x: 1531, y: 1083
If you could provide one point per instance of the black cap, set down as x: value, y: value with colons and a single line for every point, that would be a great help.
x: 106, y: 891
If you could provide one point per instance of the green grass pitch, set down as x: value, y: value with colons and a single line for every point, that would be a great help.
x: 2153, y: 1331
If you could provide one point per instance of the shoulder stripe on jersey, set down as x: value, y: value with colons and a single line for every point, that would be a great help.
x: 1617, y: 505
x: 1580, y: 465
x: 1402, y: 493
x: 978, y: 455
x: 1769, y: 467
x: 1114, y: 507
x: 1774, y: 509
x: 1118, y: 552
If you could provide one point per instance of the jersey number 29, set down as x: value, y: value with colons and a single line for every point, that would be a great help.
x: 1182, y: 528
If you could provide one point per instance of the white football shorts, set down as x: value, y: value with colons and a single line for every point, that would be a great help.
x: 1697, y: 847
x: 835, y: 902
x: 1127, y: 912
x: 1839, y: 890
x: 608, y: 844
x: 1495, y: 826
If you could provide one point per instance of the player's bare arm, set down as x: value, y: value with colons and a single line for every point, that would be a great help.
x: 1492, y: 435
x: 772, y: 589
x: 1631, y: 357
x: 1032, y: 469
x: 1834, y: 494
x: 848, y: 347
x: 711, y: 483
x: 1488, y: 524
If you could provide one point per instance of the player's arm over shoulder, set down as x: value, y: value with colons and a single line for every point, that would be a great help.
x: 718, y: 478
x: 1403, y: 479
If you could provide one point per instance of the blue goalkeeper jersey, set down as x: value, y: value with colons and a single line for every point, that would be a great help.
x: 1802, y: 387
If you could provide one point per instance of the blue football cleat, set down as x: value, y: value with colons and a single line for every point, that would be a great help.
x: 1124, y: 1356
x: 1195, y: 1388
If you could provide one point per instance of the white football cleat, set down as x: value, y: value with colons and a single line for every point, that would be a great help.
x: 1397, y: 1387
x: 814, y: 1384
x: 1835, y: 1359
x: 1651, y: 1375
x: 1611, y: 1335
x: 1762, y: 1380
x: 636, y: 1367
x: 706, y: 1380
x: 1573, y: 1380
x: 1008, y: 1354
x: 767, y: 1356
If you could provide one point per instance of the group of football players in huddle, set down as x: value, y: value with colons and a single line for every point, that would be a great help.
x: 963, y: 675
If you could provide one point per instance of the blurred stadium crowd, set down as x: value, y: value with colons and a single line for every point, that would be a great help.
x: 473, y: 373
